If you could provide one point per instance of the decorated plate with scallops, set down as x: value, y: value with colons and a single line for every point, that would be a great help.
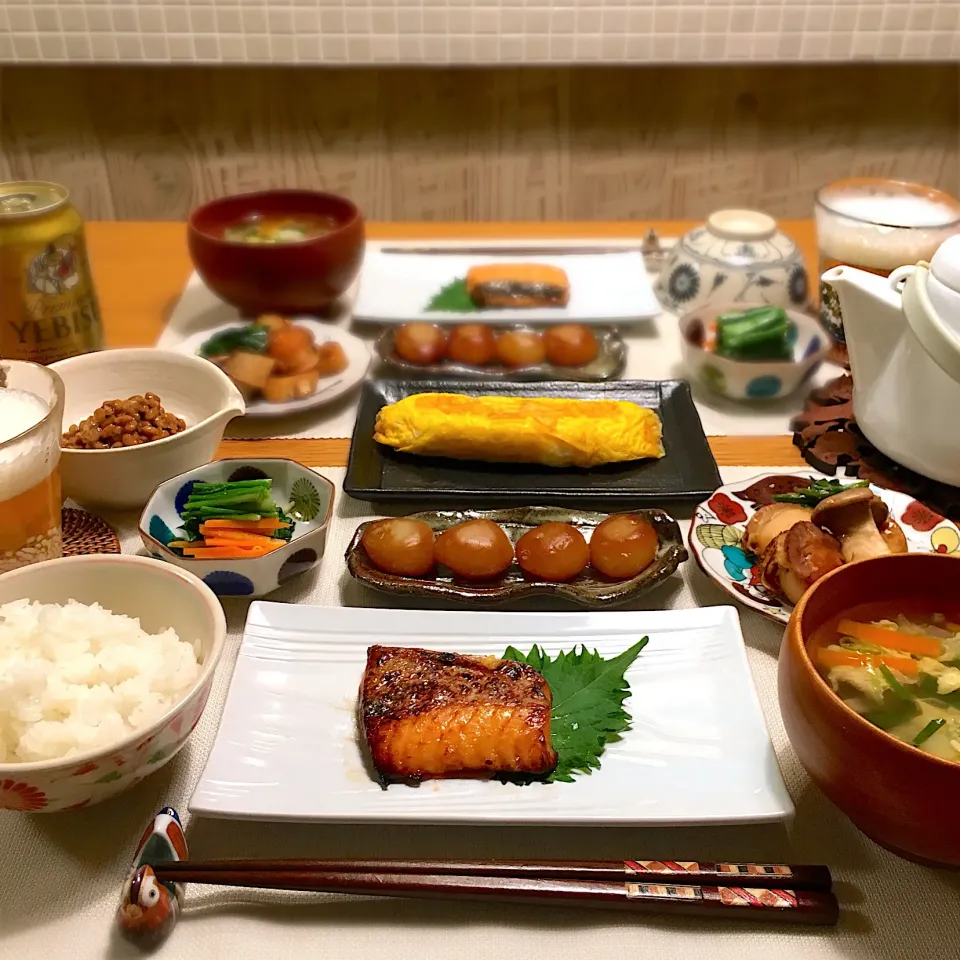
x: 485, y: 351
x: 485, y: 557
x: 767, y: 540
x: 282, y: 365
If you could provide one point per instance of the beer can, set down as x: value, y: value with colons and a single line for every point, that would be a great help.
x: 48, y: 305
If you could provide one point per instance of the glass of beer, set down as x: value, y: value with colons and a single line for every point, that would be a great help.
x: 31, y: 421
x: 877, y: 225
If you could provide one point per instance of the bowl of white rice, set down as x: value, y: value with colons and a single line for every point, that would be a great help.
x: 106, y: 663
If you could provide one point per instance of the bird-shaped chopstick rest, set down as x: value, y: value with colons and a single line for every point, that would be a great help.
x: 149, y: 908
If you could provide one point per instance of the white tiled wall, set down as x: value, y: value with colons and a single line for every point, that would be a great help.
x: 477, y: 31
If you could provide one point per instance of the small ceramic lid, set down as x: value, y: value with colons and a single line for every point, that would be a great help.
x: 944, y: 286
x: 932, y: 306
x: 741, y: 224
x: 945, y: 265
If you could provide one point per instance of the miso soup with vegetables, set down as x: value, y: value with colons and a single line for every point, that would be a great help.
x: 901, y: 672
x: 270, y: 228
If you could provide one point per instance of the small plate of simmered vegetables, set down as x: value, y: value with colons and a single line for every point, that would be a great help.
x: 284, y: 365
x: 490, y: 556
x: 242, y: 526
x: 569, y: 351
x: 767, y: 540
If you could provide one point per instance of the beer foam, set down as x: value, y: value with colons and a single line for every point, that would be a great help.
x: 19, y: 411
x: 892, y: 210
x: 883, y: 231
x: 26, y: 463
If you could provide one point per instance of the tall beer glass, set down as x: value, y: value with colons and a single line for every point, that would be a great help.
x: 31, y: 421
x: 877, y: 225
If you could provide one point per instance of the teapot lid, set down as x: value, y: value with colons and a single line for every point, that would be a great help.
x: 944, y: 284
x: 945, y: 265
x: 931, y: 302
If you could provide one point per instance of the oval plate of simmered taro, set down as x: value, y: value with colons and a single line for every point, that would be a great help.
x: 589, y: 588
x: 608, y: 364
x: 820, y: 522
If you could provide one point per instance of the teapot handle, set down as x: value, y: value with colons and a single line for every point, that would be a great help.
x: 900, y: 276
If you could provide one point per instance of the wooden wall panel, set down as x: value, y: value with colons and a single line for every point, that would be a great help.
x: 415, y: 144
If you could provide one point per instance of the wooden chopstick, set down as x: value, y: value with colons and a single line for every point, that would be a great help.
x: 754, y: 875
x: 631, y: 246
x: 780, y: 905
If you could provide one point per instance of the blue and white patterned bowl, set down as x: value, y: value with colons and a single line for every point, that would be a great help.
x: 302, y: 493
x: 737, y: 256
x: 756, y: 379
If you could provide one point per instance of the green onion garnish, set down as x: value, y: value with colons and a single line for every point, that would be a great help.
x: 895, y: 685
x: 928, y: 731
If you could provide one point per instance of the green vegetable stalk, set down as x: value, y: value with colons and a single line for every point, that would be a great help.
x: 253, y: 338
x: 239, y: 500
x: 763, y: 333
x: 817, y: 491
x: 928, y: 731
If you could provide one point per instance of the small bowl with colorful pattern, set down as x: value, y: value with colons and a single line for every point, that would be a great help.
x: 301, y: 493
x: 161, y: 598
x: 754, y: 380
x: 716, y: 534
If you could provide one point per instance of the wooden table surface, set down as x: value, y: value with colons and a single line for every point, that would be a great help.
x: 140, y: 269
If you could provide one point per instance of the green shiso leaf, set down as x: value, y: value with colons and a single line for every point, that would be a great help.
x: 452, y: 298
x: 588, y: 695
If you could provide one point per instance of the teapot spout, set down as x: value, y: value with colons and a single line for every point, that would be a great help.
x: 872, y: 310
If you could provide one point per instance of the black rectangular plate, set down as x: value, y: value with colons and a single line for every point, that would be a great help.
x: 688, y: 472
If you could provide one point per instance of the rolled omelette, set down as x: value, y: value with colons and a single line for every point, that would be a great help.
x: 552, y: 431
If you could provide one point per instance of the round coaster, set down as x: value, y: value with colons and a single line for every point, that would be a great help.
x: 85, y: 533
x: 827, y: 436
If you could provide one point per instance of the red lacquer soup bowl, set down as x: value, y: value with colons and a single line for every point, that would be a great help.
x: 899, y: 796
x: 303, y: 276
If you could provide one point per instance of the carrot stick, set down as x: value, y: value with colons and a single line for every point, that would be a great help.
x: 921, y: 646
x: 828, y: 657
x: 242, y: 547
x: 236, y: 536
x: 267, y: 525
x: 226, y: 553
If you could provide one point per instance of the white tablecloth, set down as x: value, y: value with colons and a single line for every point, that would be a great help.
x: 653, y: 353
x: 60, y: 873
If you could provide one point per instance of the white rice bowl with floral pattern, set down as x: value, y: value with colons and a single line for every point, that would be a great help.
x: 76, y: 677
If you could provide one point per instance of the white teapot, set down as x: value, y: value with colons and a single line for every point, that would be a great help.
x: 903, y: 338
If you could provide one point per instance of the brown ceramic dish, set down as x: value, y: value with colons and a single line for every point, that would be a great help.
x: 608, y: 365
x: 589, y: 589
x: 899, y: 796
x: 306, y: 276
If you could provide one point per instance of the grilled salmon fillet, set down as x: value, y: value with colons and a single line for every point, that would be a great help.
x: 518, y: 285
x: 427, y: 714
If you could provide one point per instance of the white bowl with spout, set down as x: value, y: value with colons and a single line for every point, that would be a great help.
x: 190, y: 387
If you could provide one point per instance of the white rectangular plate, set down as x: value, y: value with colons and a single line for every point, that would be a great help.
x: 604, y: 288
x: 288, y: 746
